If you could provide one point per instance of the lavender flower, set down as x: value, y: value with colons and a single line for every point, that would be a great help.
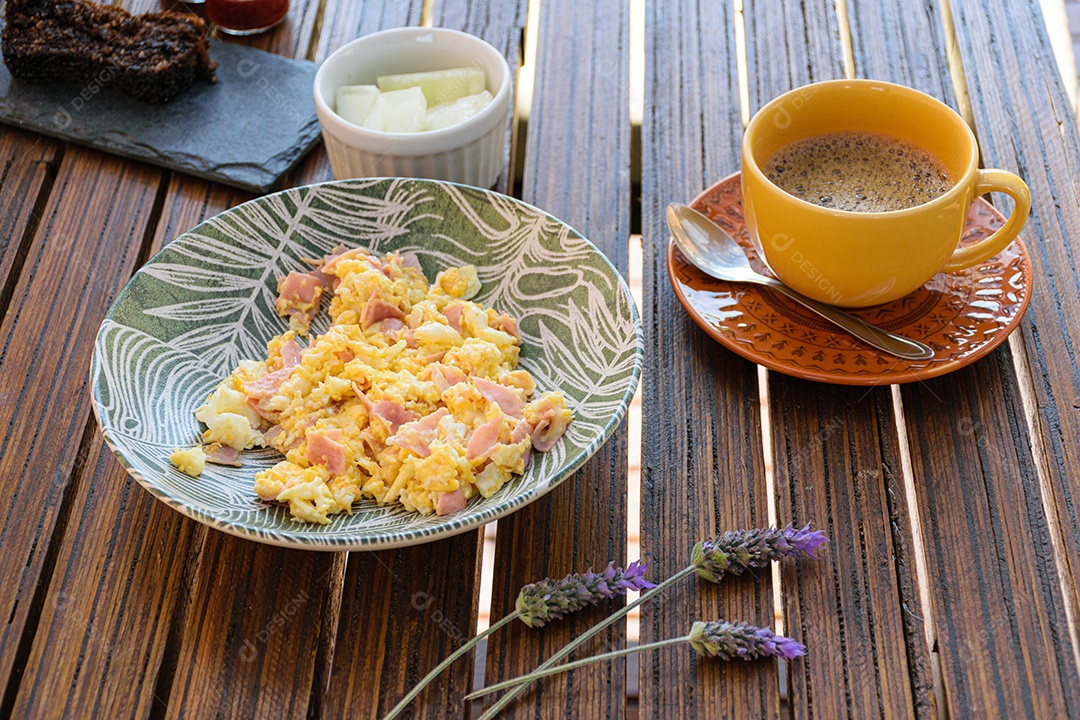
x: 738, y: 550
x: 541, y: 602
x: 739, y: 640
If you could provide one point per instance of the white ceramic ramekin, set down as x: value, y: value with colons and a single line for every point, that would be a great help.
x: 470, y: 152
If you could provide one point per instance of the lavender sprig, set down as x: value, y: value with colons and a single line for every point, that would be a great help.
x: 739, y: 550
x: 717, y: 639
x: 732, y: 552
x: 741, y: 641
x: 541, y: 602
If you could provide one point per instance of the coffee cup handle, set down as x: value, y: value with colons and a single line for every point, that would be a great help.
x: 995, y: 181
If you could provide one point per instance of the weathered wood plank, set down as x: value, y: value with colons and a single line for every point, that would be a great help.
x: 86, y: 245
x: 1001, y: 632
x: 502, y: 24
x: 901, y: 42
x: 577, y: 166
x: 1017, y: 655
x: 702, y: 456
x: 87, y: 608
x: 254, y: 631
x: 104, y: 625
x: 402, y: 612
x: 27, y: 168
x: 1025, y: 121
x: 838, y: 466
x: 344, y: 21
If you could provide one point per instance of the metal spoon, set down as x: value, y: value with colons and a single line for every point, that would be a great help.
x: 716, y: 253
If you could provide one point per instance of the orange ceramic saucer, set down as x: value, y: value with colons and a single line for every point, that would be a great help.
x: 962, y: 315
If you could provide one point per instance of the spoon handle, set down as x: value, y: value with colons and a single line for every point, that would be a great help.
x: 881, y: 339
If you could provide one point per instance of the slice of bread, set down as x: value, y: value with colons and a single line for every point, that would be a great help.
x: 152, y: 57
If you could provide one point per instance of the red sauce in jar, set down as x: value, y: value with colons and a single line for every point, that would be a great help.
x: 246, y: 15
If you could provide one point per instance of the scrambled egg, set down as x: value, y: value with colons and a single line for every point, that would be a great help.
x: 190, y: 461
x: 412, y: 396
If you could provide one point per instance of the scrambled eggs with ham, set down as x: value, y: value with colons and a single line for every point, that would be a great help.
x: 412, y: 396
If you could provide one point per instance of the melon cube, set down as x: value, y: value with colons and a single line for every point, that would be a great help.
x: 442, y: 116
x: 402, y: 110
x: 439, y: 86
x: 374, y: 119
x: 354, y: 102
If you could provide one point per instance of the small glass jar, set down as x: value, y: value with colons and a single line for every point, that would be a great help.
x: 246, y: 17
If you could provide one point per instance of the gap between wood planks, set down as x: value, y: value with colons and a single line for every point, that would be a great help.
x: 316, y: 31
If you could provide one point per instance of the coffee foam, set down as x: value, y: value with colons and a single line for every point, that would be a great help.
x: 858, y: 172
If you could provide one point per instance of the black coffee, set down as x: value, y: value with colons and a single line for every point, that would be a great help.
x: 858, y: 172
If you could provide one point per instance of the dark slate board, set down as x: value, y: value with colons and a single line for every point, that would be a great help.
x: 247, y: 130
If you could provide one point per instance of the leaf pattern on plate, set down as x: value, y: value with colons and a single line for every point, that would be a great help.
x: 206, y: 301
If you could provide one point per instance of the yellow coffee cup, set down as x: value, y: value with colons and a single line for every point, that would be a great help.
x: 855, y: 259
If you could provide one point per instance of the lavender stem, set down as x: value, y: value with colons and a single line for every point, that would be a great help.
x: 537, y: 674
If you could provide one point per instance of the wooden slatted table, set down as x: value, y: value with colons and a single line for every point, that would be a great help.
x: 951, y: 587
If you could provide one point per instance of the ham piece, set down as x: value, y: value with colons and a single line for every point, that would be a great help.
x: 446, y: 376
x: 290, y: 354
x: 268, y: 384
x: 256, y: 405
x: 324, y: 447
x: 376, y: 310
x: 222, y: 455
x: 301, y: 287
x: 391, y: 325
x: 548, y: 428
x: 338, y: 255
x: 521, y: 431
x: 453, y: 315
x: 450, y: 502
x: 388, y: 411
x: 417, y: 436
x: 325, y: 281
x: 393, y: 414
x: 484, y: 439
x: 299, y: 295
x: 508, y: 400
x: 507, y: 324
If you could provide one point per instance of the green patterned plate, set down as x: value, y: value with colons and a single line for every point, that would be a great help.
x: 207, y: 300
